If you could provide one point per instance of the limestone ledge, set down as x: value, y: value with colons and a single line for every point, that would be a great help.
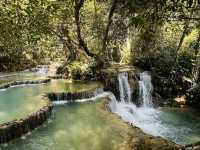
x: 19, y: 127
x: 73, y: 96
x: 61, y: 76
x: 17, y: 83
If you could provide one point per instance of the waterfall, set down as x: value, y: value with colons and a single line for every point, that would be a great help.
x: 139, y: 116
x: 145, y: 89
x: 124, y: 87
x: 157, y: 122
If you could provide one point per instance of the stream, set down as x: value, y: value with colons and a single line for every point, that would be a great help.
x: 81, y: 126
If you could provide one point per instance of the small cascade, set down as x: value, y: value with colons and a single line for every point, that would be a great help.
x: 80, y: 100
x: 145, y: 117
x: 145, y: 89
x: 139, y: 116
x: 124, y: 87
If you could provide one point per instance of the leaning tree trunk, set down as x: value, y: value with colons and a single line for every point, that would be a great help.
x: 82, y: 44
x: 78, y: 5
x: 184, y: 33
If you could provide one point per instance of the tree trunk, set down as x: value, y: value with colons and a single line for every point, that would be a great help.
x: 195, y: 69
x: 105, y: 39
x: 184, y: 33
x: 67, y: 42
x: 78, y: 5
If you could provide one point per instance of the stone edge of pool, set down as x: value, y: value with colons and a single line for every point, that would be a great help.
x: 26, y: 82
x: 19, y: 127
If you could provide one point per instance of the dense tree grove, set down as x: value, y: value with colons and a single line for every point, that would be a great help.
x: 162, y: 36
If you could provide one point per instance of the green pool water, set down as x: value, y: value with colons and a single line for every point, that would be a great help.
x: 18, y: 76
x: 81, y: 126
x: 77, y: 126
x: 17, y: 102
x: 181, y: 125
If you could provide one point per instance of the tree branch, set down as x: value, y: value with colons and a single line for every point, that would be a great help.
x: 112, y: 9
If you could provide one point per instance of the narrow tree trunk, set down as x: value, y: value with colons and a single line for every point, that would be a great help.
x: 184, y: 33
x: 195, y: 69
x: 95, y: 11
x: 105, y: 39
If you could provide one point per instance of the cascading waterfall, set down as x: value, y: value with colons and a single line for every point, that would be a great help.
x: 124, y: 87
x: 153, y: 121
x: 145, y: 89
x: 139, y: 116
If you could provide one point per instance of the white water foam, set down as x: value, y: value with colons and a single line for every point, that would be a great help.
x: 124, y: 87
x: 145, y: 116
x: 145, y: 89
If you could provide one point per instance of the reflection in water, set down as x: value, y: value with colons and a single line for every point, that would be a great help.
x: 76, y: 126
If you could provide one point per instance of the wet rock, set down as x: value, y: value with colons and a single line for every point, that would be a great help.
x: 15, y: 83
x: 193, y: 146
x: 60, y: 76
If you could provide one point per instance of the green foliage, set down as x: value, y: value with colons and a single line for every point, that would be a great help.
x: 185, y: 62
x: 192, y: 96
x: 161, y: 36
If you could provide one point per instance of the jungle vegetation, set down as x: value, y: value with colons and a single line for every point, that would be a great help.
x: 162, y: 36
